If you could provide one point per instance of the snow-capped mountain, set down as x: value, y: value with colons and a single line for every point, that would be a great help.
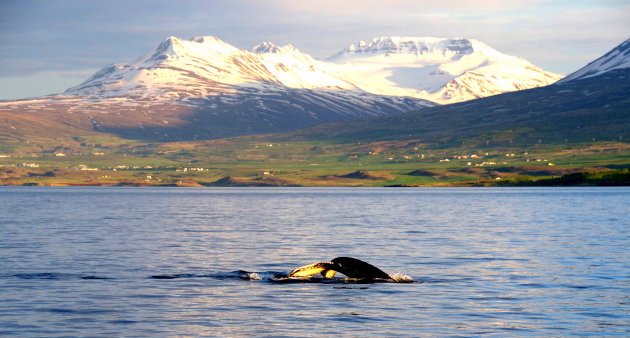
x: 437, y: 69
x: 592, y: 105
x: 205, y: 88
x: 207, y: 66
x: 617, y: 58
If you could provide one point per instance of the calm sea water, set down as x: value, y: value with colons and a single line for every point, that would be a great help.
x: 506, y: 261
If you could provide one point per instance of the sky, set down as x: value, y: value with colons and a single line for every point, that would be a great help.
x: 47, y: 46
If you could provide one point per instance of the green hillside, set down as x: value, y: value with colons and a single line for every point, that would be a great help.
x: 570, y: 134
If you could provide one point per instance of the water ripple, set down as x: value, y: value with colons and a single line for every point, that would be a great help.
x: 161, y: 262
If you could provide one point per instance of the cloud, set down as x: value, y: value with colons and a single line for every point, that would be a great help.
x: 67, y: 35
x: 568, y: 38
x: 358, y: 7
x: 336, y: 8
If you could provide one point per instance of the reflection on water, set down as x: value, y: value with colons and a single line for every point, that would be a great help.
x: 509, y: 261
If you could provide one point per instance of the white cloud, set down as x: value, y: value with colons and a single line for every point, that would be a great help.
x: 559, y: 35
x: 353, y: 8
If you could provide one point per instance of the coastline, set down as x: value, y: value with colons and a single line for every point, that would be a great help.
x: 618, y: 177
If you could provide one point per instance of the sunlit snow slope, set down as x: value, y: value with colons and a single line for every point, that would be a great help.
x: 207, y: 66
x: 437, y: 69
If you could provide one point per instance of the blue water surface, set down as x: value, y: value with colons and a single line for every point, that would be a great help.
x: 491, y: 261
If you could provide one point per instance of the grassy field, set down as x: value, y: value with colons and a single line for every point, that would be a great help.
x: 253, y: 161
x: 532, y: 136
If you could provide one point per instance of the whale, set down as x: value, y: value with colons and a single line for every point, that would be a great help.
x: 351, y: 267
x: 356, y: 271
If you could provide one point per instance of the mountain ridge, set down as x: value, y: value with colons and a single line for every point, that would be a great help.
x: 592, y: 104
x: 412, y: 45
x: 616, y: 58
x: 452, y: 69
x: 205, y: 88
x: 458, y: 69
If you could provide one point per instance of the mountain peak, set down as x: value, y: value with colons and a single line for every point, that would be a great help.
x: 265, y: 47
x: 165, y: 48
x: 617, y: 58
x: 207, y: 40
x: 173, y: 47
x: 419, y: 46
x: 269, y: 47
x: 442, y: 70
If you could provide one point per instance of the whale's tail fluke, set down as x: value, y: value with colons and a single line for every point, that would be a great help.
x: 312, y: 269
x: 351, y: 267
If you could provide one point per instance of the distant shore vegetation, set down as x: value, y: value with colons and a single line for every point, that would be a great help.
x: 254, y: 162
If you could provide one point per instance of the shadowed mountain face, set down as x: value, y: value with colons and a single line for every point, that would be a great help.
x: 246, y: 113
x: 243, y: 112
x: 596, y: 107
